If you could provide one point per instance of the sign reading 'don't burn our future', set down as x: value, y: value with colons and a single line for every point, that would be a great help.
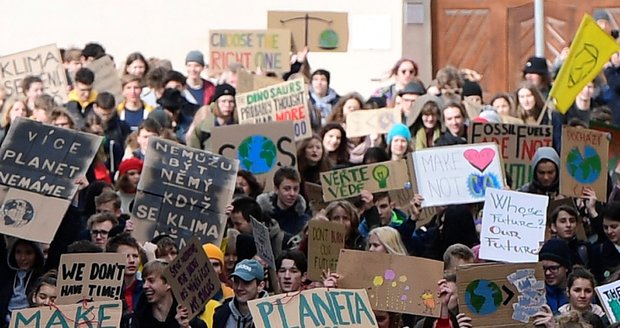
x: 287, y: 101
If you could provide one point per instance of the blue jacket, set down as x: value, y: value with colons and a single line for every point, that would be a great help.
x: 556, y: 297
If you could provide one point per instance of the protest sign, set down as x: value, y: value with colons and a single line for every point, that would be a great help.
x: 513, y: 226
x: 583, y: 162
x: 614, y: 142
x: 457, y: 174
x: 493, y: 293
x: 265, y: 49
x: 91, y: 314
x: 260, y: 148
x: 314, y: 193
x: 349, y: 182
x: 319, y: 307
x: 247, y: 81
x: 106, y: 77
x: 263, y: 243
x: 39, y: 167
x: 192, y: 279
x: 286, y: 101
x: 44, y: 62
x: 517, y: 145
x: 395, y: 283
x: 320, y: 31
x: 325, y: 240
x: 92, y: 277
x: 364, y: 122
x: 609, y: 296
x: 184, y: 191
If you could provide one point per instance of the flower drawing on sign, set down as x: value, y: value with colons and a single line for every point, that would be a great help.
x: 391, y: 290
x: 429, y: 302
x: 17, y: 212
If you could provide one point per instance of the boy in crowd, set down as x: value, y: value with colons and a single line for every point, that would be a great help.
x: 200, y: 89
x: 292, y: 268
x: 132, y: 286
x: 82, y: 98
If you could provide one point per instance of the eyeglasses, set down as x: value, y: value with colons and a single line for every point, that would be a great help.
x: 405, y: 71
x: 103, y: 233
x: 552, y: 268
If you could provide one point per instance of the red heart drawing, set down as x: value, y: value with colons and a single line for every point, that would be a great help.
x: 480, y: 159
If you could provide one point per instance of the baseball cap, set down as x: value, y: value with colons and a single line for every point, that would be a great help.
x: 249, y: 270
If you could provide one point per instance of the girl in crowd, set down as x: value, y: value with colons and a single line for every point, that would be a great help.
x: 404, y: 71
x: 386, y: 240
x: 127, y: 183
x: 43, y: 107
x: 505, y: 106
x: 45, y: 291
x: 312, y: 160
x: 343, y: 212
x: 580, y: 289
x: 398, y: 139
x: 132, y: 110
x: 136, y: 65
x: 530, y: 104
x: 247, y: 182
x: 32, y: 87
x: 348, y: 104
x: 335, y: 144
x: 11, y: 109
x: 427, y: 126
x: 220, y: 112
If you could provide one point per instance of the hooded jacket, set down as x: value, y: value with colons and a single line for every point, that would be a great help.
x: 292, y: 219
x: 80, y: 109
x: 535, y: 187
x: 143, y: 317
x: 228, y: 315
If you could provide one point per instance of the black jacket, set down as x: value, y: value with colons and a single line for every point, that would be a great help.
x: 142, y: 317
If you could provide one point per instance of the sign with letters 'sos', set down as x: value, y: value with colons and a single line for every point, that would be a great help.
x: 39, y: 167
x: 184, y: 191
x: 513, y: 226
x: 44, y: 62
x: 286, y: 101
x: 91, y: 314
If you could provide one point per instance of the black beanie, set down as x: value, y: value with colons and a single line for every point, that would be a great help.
x: 223, y: 90
x: 556, y: 250
x: 471, y: 88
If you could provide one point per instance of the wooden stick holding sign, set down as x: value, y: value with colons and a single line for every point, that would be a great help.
x: 364, y: 122
x: 92, y: 314
x: 349, y: 182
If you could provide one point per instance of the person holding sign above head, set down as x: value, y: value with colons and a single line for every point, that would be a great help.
x: 132, y: 110
x: 398, y: 140
x: 546, y: 175
x: 454, y: 121
x: 82, y: 98
x: 200, y: 89
x: 555, y: 258
x: 580, y: 289
x: 221, y: 112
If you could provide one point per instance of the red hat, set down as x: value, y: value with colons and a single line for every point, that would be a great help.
x: 130, y: 164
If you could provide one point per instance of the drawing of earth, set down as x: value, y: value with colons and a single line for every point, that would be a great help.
x: 257, y: 154
x: 483, y: 297
x: 584, y: 168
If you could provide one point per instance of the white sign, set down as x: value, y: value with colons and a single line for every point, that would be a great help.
x: 609, y: 295
x: 457, y: 174
x: 513, y: 226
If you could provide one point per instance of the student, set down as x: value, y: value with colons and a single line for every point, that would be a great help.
x: 147, y: 129
x: 580, y: 290
x: 200, y: 89
x: 563, y: 225
x: 132, y: 110
x: 454, y: 121
x: 132, y: 286
x: 555, y: 258
x: 44, y: 292
x: 32, y: 87
x: 455, y: 255
x: 322, y: 97
x: 82, y: 98
x: 100, y: 226
x: 127, y: 183
x: 292, y: 268
x: 43, y: 107
x: 388, y: 214
x: 546, y: 177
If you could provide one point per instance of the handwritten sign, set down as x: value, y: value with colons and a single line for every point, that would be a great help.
x: 39, y: 167
x: 93, y: 277
x: 184, y: 191
x: 319, y: 307
x: 395, y: 283
x: 286, y: 101
x: 609, y: 296
x: 517, y: 145
x: 457, y: 174
x: 263, y: 243
x: 349, y: 182
x: 44, y: 62
x: 264, y: 49
x: 95, y: 314
x: 325, y: 240
x: 192, y: 278
x: 490, y: 293
x: 260, y: 148
x: 583, y: 162
x: 513, y: 226
x: 364, y: 122
x: 106, y: 77
x: 614, y: 142
x: 321, y: 31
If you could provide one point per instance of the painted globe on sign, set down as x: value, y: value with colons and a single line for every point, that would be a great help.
x: 483, y: 297
x: 584, y: 168
x: 257, y: 154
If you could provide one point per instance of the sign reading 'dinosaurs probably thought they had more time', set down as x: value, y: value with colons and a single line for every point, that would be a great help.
x: 184, y: 192
x: 349, y: 182
x: 192, y: 278
x: 92, y: 277
x: 325, y: 240
x: 609, y: 296
x: 319, y: 307
x: 583, y: 162
x: 44, y: 62
x: 264, y: 49
x: 83, y: 314
x: 513, y: 226
x: 493, y: 293
x: 286, y: 101
x: 40, y: 166
x: 457, y: 174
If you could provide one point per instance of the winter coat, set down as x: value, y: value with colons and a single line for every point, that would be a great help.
x: 228, y: 315
x: 535, y: 187
x: 292, y: 219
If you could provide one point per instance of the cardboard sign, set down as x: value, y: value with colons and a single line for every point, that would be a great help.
x: 325, y: 240
x: 92, y: 277
x: 614, y: 142
x: 94, y: 314
x: 609, y: 296
x: 349, y: 182
x: 44, y: 62
x: 260, y: 148
x: 265, y: 49
x: 263, y: 243
x: 491, y: 293
x: 320, y: 31
x: 584, y: 162
x: 286, y: 101
x: 395, y: 283
x: 517, y: 145
x: 513, y: 226
x: 184, y: 191
x: 364, y: 122
x: 457, y: 174
x: 314, y: 197
x: 192, y: 278
x: 39, y: 167
x: 106, y: 77
x: 247, y: 81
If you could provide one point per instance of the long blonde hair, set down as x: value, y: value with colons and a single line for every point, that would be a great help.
x: 390, y: 239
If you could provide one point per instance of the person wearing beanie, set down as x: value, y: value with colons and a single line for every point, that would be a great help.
x: 472, y: 92
x: 546, y: 175
x: 398, y: 140
x: 200, y: 89
x: 555, y: 258
x: 537, y: 72
x: 407, y: 97
x: 322, y: 97
x: 454, y: 121
x: 174, y: 112
x: 216, y: 257
x: 127, y: 184
x: 220, y: 112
